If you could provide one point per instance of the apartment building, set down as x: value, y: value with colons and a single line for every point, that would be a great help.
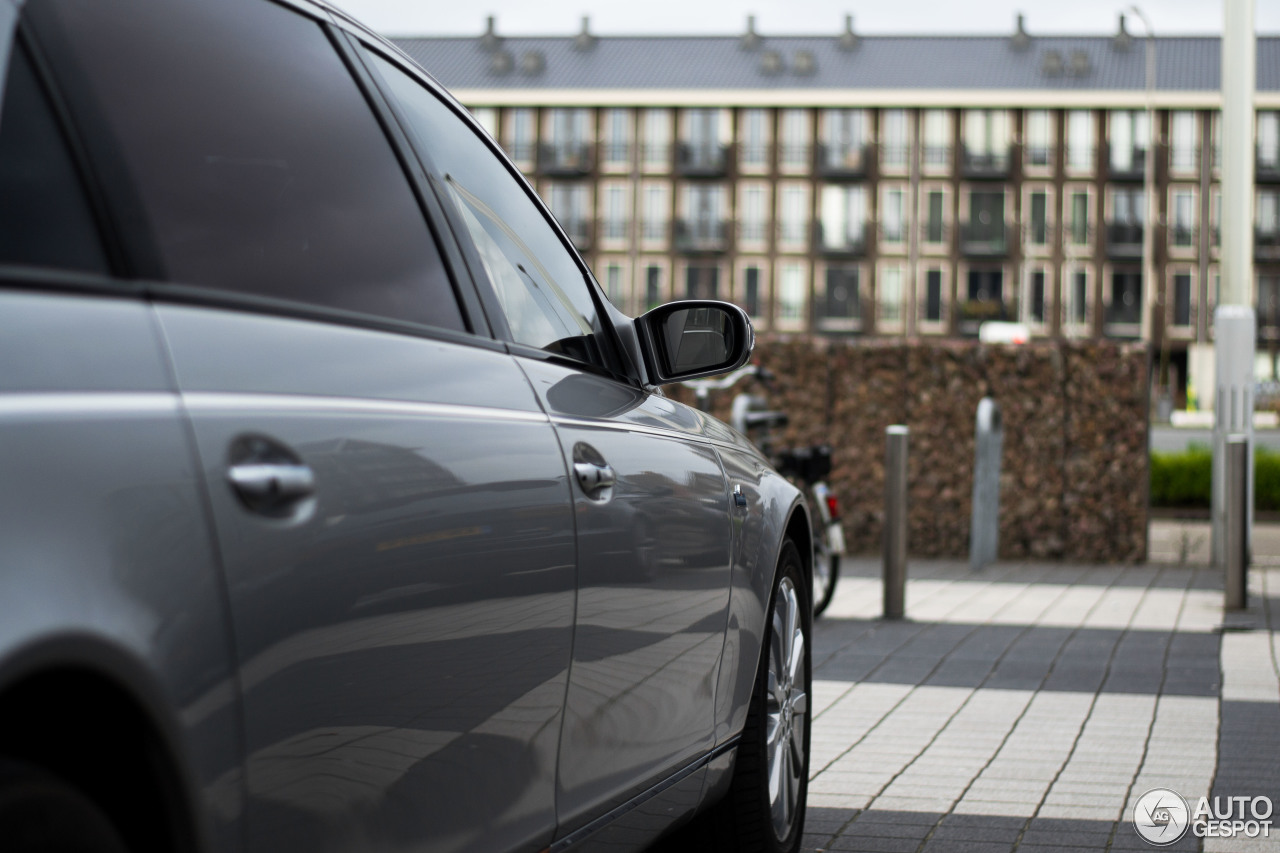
x: 850, y: 185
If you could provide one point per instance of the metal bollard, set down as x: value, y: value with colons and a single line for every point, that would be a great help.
x: 895, y: 522
x: 1234, y: 533
x: 984, y: 522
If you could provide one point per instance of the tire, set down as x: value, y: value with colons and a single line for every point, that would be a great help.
x: 764, y: 810
x: 826, y: 572
x: 39, y: 813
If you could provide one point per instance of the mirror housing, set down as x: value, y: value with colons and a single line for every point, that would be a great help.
x: 694, y: 338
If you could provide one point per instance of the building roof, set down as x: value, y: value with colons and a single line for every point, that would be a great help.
x: 1045, y: 63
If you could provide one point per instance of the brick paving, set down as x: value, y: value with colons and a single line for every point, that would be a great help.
x: 1027, y: 706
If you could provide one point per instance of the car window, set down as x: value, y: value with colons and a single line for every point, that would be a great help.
x: 542, y: 291
x: 45, y: 218
x: 261, y: 166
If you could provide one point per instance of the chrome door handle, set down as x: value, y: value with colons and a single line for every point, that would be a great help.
x: 278, y: 483
x: 594, y: 478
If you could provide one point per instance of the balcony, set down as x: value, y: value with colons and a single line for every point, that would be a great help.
x: 837, y: 243
x: 842, y: 162
x: 578, y: 230
x: 1134, y: 170
x: 978, y: 240
x: 1266, y: 244
x: 1266, y: 169
x: 701, y: 236
x: 564, y: 161
x: 702, y: 160
x: 1124, y: 240
x: 984, y: 165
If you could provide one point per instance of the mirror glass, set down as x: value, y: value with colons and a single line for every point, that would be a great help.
x: 698, y: 338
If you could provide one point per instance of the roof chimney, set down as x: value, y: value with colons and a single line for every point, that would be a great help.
x: 1122, y: 39
x: 584, y: 40
x: 751, y: 39
x: 1020, y: 40
x: 490, y: 40
x: 848, y: 38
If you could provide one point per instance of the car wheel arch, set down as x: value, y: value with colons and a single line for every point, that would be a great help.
x: 79, y: 707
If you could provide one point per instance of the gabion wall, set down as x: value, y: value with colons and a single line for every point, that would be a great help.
x: 1073, y: 480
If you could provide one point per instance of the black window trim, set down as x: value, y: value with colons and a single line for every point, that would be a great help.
x: 617, y: 367
x: 136, y: 270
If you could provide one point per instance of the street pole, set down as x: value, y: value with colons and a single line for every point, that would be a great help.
x: 1234, y: 321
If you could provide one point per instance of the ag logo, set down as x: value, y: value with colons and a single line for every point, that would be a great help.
x: 1161, y: 816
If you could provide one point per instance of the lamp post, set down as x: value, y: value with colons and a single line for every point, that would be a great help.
x: 1152, y: 293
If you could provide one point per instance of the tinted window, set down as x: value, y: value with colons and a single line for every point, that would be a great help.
x: 44, y: 216
x: 259, y: 161
x: 542, y: 291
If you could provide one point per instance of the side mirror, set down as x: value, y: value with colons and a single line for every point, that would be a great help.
x: 685, y: 340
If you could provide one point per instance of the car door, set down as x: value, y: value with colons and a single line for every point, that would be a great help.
x: 651, y: 504
x: 390, y: 501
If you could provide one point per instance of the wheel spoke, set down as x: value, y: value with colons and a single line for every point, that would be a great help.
x: 800, y: 703
x: 796, y: 661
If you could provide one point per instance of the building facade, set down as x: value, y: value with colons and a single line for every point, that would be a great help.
x: 915, y: 186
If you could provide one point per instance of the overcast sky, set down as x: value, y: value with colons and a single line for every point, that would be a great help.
x: 809, y: 17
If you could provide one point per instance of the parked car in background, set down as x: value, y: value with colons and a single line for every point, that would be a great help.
x: 339, y: 511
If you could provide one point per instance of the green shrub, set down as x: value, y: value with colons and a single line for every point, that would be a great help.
x: 1184, y: 479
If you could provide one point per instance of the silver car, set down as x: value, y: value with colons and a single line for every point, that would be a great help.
x: 339, y: 510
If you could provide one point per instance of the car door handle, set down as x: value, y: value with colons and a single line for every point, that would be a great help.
x: 272, y: 482
x: 594, y: 478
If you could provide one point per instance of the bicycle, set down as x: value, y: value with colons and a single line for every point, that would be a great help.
x: 808, y: 466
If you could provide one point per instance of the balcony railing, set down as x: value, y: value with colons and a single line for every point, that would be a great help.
x: 1182, y: 236
x: 564, y: 161
x: 616, y: 153
x: 1124, y: 240
x: 935, y: 233
x: 984, y: 165
x: 836, y: 162
x: 978, y: 240
x: 701, y: 236
x: 754, y: 156
x: 1039, y: 156
x: 838, y: 243
x: 615, y: 230
x: 793, y: 157
x: 653, y: 230
x: 1267, y: 168
x: 578, y: 230
x: 704, y: 160
x: 655, y: 156
x: 936, y: 158
x: 1266, y: 244
x: 1134, y: 170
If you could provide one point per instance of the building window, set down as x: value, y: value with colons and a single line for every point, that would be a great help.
x: 985, y: 230
x: 751, y: 290
x: 1079, y: 218
x: 1182, y: 142
x: 893, y: 154
x: 986, y: 140
x: 1268, y: 304
x: 935, y: 223
x: 617, y: 138
x: 1039, y: 139
x: 791, y: 293
x: 1036, y: 296
x: 520, y: 138
x: 1125, y: 307
x: 654, y: 211
x: 656, y: 153
x: 704, y: 216
x: 1182, y: 299
x: 652, y: 286
x: 613, y: 284
x: 1080, y: 140
x: 793, y: 218
x: 702, y: 281
x: 1215, y: 131
x: 1182, y: 219
x: 984, y: 295
x: 889, y: 297
x: 570, y: 203
x: 567, y: 143
x: 1267, y: 233
x: 615, y: 217
x: 937, y: 140
x: 932, y: 295
x: 755, y: 140
x: 754, y: 214
x: 701, y: 148
x: 1269, y: 141
x: 1128, y: 141
x: 844, y: 137
x: 840, y: 293
x: 795, y: 140
x: 1038, y: 218
x: 893, y: 218
x: 487, y: 117
x: 844, y: 217
x: 1077, y: 298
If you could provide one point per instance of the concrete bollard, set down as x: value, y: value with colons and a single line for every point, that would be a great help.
x: 1236, y: 522
x: 895, y: 522
x: 984, y: 525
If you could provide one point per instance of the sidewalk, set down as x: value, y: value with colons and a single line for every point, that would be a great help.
x: 1026, y: 707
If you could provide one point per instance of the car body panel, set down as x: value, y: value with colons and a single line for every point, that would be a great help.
x: 404, y: 643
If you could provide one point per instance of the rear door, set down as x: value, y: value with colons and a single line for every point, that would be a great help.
x: 390, y: 501
x: 652, y: 508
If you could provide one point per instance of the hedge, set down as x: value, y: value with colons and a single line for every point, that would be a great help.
x: 1184, y: 479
